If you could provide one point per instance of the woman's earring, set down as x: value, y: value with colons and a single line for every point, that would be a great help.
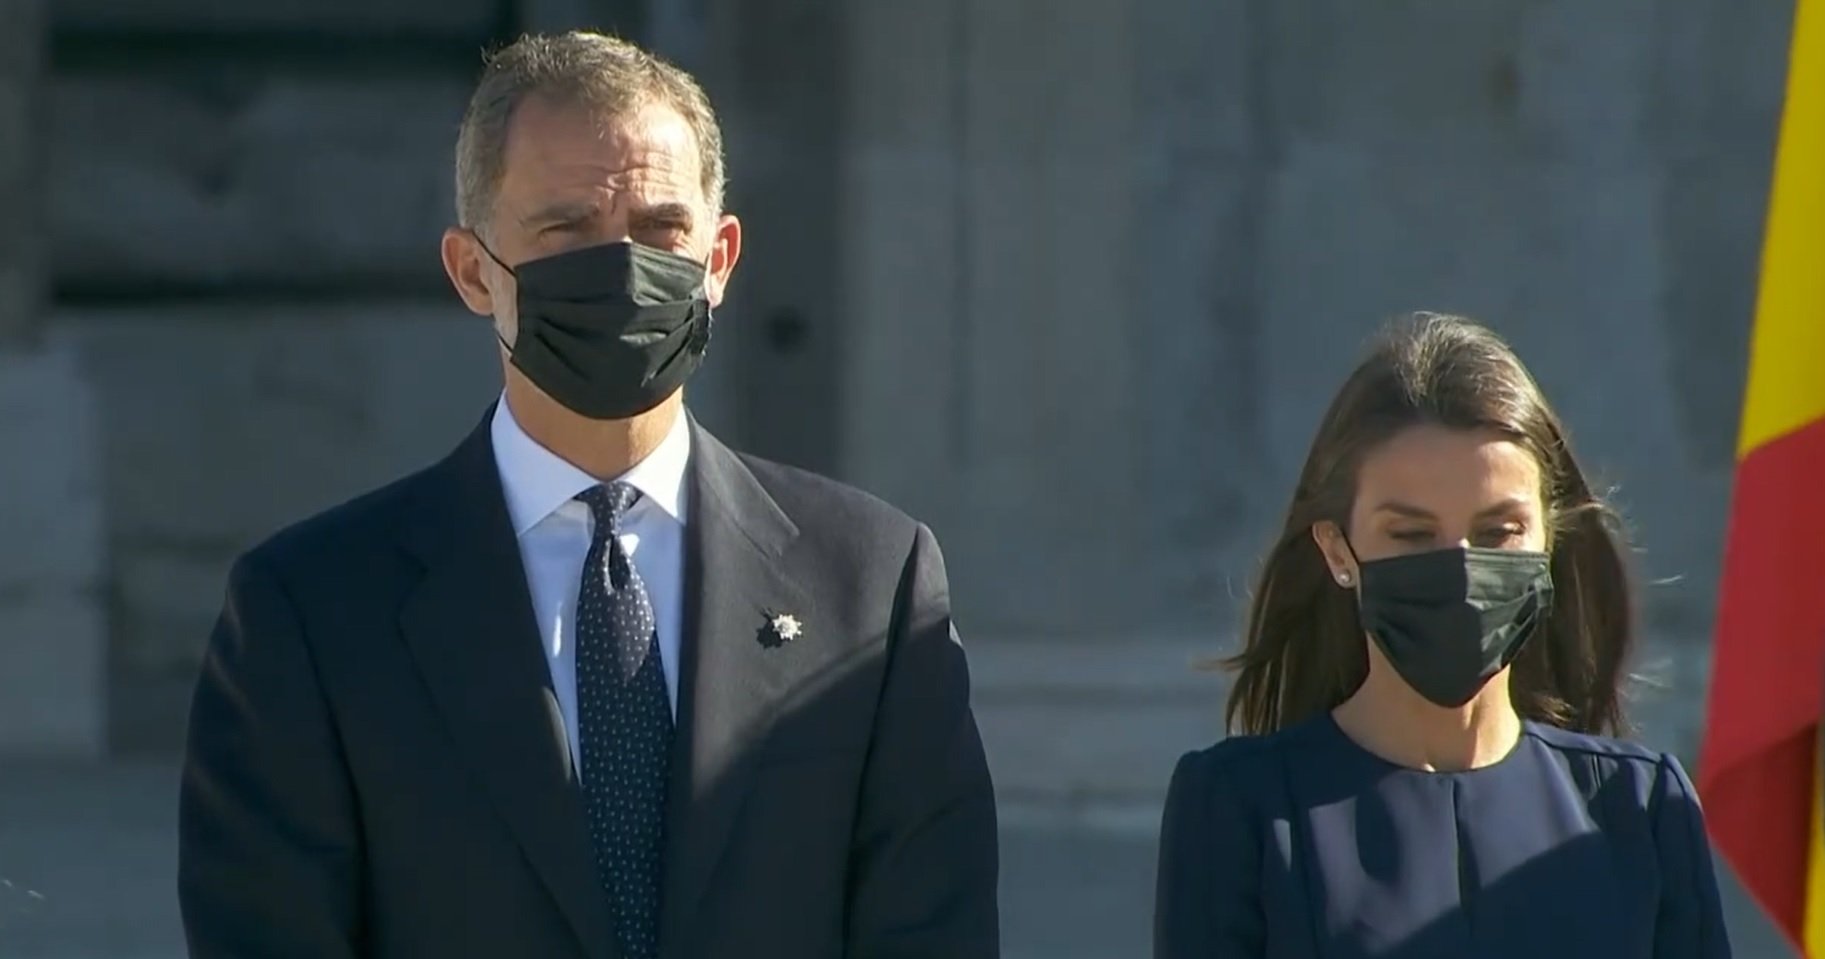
x: 1343, y: 579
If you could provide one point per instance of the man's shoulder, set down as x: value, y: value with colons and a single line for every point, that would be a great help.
x: 817, y: 502
x: 358, y: 529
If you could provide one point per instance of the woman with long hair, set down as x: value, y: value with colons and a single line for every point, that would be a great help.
x: 1430, y: 677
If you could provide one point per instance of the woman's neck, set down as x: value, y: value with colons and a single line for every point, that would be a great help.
x: 1386, y: 717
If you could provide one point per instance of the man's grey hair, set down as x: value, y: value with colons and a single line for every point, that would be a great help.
x: 602, y: 73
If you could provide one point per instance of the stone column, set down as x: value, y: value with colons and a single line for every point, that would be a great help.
x: 52, y: 626
x: 989, y: 221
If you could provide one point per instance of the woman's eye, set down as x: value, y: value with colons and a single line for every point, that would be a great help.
x: 1500, y: 535
x: 1412, y: 536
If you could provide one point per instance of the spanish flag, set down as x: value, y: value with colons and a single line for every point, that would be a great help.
x: 1760, y: 772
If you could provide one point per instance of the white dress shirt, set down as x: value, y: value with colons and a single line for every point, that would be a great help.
x: 554, y: 531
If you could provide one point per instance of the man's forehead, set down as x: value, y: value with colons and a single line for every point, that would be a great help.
x: 651, y: 141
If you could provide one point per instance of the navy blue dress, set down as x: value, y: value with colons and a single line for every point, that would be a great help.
x: 1302, y: 844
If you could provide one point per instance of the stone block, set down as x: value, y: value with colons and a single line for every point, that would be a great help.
x: 223, y: 422
x: 904, y: 74
x: 53, y: 691
x: 773, y: 70
x: 436, y: 18
x: 903, y: 407
x: 1041, y: 164
x: 21, y: 59
x: 1670, y: 679
x: 1715, y: 211
x: 1678, y: 522
x: 22, y: 47
x: 1200, y: 81
x: 1046, y: 365
x: 18, y: 158
x: 1088, y: 730
x: 19, y: 299
x: 900, y: 186
x: 1721, y: 71
x: 51, y: 521
x: 1492, y: 79
x: 1562, y: 260
x: 1199, y: 171
x: 1721, y: 81
x: 166, y: 600
x: 1093, y: 726
x: 212, y: 177
x: 52, y: 628
x: 1584, y: 80
x: 1567, y: 262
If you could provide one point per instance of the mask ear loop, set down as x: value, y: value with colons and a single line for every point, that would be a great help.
x: 510, y: 272
x: 703, y: 332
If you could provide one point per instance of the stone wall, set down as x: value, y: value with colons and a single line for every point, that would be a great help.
x: 1074, y: 288
x: 244, y: 205
x: 52, y: 629
x: 1108, y: 268
x: 244, y: 202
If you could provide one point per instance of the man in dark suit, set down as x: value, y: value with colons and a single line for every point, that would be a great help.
x: 594, y: 685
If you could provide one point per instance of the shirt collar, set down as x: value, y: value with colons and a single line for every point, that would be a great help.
x: 537, y: 481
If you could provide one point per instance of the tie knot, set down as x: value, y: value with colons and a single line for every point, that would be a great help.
x: 609, y: 502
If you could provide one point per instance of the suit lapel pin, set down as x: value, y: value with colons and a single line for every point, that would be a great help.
x: 781, y: 629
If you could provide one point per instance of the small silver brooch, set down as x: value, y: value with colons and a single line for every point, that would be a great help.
x: 786, y: 626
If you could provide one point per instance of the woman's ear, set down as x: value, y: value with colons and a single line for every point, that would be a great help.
x: 1335, y: 548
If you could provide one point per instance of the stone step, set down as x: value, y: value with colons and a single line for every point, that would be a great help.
x: 1085, y: 732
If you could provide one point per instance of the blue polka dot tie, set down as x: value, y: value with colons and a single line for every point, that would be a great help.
x: 624, y: 725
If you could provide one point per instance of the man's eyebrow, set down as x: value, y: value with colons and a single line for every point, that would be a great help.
x: 667, y: 210
x: 565, y: 212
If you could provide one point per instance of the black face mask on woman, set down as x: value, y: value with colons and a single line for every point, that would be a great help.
x: 1447, y: 620
x: 610, y: 331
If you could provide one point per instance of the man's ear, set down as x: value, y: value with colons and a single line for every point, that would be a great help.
x: 725, y: 250
x: 467, y: 266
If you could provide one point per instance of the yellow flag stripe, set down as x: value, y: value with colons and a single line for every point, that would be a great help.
x: 1786, y: 388
x: 1813, y: 933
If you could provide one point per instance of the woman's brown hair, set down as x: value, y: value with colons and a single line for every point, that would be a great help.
x: 1304, y: 647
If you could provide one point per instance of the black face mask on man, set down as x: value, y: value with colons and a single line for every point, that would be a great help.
x: 1447, y: 620
x: 611, y: 330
